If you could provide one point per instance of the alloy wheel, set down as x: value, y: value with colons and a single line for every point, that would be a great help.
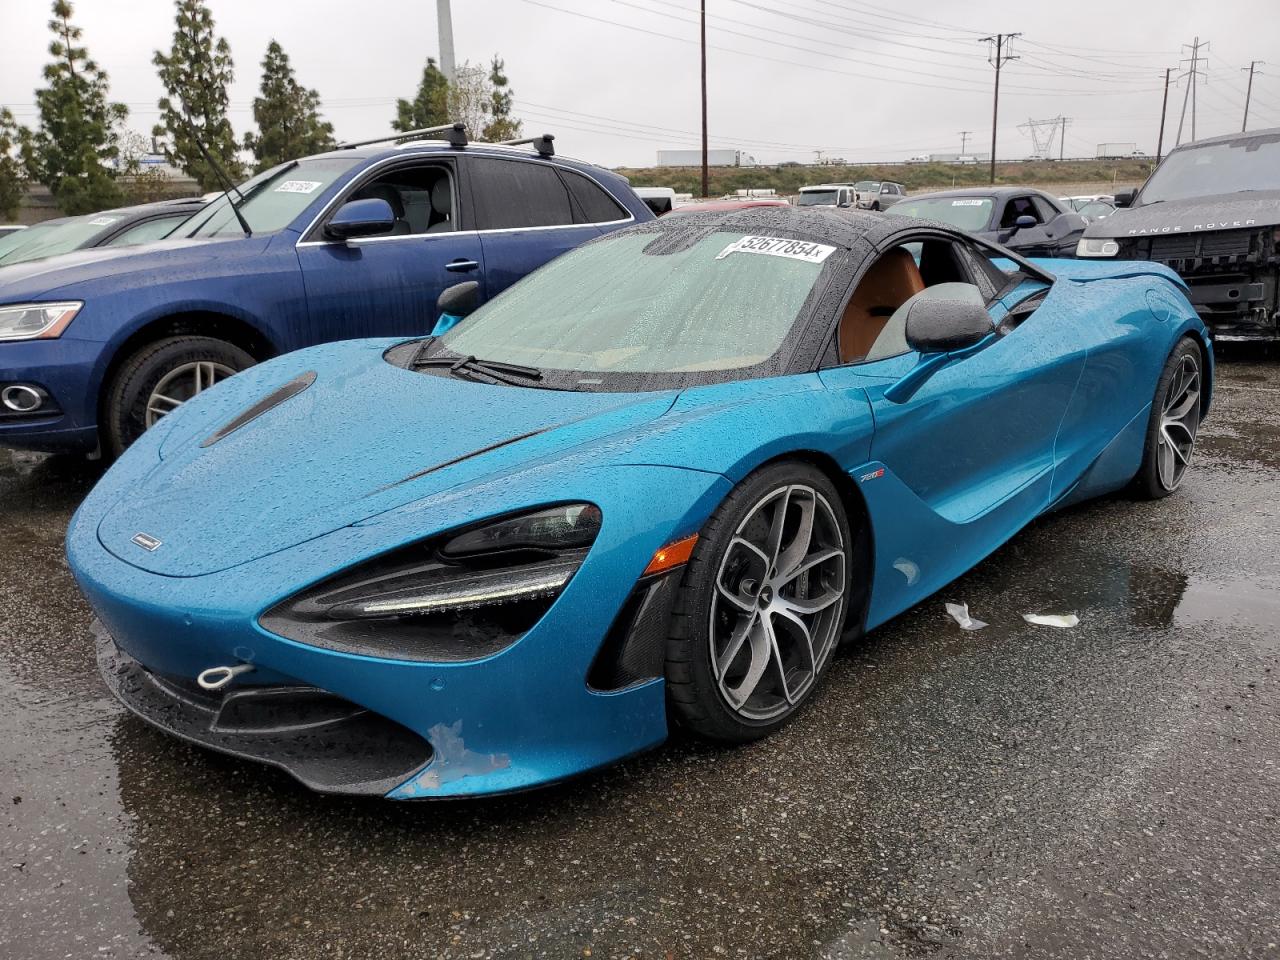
x: 181, y: 384
x: 779, y: 602
x: 1179, y: 422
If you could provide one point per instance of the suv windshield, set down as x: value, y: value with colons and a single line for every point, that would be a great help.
x: 630, y: 304
x: 967, y: 213
x: 1250, y: 163
x: 272, y: 199
x: 817, y: 198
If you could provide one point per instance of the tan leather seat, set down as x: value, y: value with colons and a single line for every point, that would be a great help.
x: 892, y: 281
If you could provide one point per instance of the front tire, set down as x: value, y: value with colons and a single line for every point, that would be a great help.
x: 160, y: 377
x: 761, y: 606
x: 1174, y: 423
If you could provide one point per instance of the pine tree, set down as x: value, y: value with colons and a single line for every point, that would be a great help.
x: 501, y: 125
x: 430, y: 108
x: 11, y: 173
x: 196, y: 74
x: 287, y: 115
x: 76, y: 139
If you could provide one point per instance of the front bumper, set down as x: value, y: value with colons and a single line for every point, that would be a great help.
x: 64, y: 368
x: 523, y: 717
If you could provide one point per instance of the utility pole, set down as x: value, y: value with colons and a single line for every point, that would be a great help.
x: 1248, y: 94
x: 1164, y: 106
x: 1192, y: 75
x: 1002, y: 56
x: 964, y: 139
x: 1062, y: 137
x: 444, y: 22
x: 704, y: 99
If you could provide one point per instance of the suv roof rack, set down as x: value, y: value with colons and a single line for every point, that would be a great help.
x: 544, y: 145
x: 455, y: 134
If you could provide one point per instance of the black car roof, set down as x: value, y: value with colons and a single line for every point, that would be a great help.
x: 841, y: 228
x: 998, y: 193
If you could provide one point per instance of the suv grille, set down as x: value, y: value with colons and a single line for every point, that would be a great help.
x: 1232, y: 243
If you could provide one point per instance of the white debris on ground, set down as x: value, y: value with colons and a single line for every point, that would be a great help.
x: 960, y: 614
x: 1051, y: 619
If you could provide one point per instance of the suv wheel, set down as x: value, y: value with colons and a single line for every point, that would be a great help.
x: 159, y: 378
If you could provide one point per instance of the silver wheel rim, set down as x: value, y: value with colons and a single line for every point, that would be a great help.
x: 1179, y: 421
x: 181, y: 384
x: 778, y: 602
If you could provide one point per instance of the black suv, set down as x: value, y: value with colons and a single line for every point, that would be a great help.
x: 1209, y: 211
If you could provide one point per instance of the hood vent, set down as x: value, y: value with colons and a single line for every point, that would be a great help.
x: 273, y: 399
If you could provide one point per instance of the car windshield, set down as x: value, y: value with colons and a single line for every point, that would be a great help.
x: 967, y: 213
x: 1251, y: 163
x: 631, y: 304
x: 49, y: 240
x: 817, y: 198
x: 867, y: 186
x: 272, y: 200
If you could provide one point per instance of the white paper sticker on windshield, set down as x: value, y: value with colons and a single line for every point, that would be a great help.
x: 102, y: 221
x: 966, y: 203
x: 779, y: 247
x: 299, y: 186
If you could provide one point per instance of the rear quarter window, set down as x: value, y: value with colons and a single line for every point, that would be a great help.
x: 511, y: 194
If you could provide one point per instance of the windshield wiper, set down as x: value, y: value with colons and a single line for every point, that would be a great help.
x: 493, y: 371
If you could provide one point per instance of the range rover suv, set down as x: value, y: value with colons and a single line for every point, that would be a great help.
x: 1211, y: 211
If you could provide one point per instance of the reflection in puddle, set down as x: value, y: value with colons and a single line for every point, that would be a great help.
x: 1239, y: 602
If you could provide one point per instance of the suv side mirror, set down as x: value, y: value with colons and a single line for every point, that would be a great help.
x: 1124, y: 198
x: 940, y: 326
x: 361, y: 218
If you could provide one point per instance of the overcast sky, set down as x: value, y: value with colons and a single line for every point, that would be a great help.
x: 860, y: 79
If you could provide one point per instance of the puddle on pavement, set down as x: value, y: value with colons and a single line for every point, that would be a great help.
x: 1240, y: 602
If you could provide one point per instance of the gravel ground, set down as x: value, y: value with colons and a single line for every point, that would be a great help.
x: 1111, y: 790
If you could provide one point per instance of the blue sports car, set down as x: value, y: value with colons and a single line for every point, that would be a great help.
x: 657, y: 481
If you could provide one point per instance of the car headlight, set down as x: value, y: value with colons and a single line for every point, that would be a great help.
x: 1097, y: 247
x: 458, y: 596
x: 36, y: 321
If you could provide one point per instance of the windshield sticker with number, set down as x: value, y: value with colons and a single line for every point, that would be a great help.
x: 779, y: 247
x: 967, y: 203
x: 102, y: 221
x: 299, y: 186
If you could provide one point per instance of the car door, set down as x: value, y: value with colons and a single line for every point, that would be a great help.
x: 387, y: 285
x: 889, y: 195
x: 527, y: 212
x: 973, y: 444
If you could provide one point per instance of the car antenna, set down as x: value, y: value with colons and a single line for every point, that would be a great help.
x: 228, y: 186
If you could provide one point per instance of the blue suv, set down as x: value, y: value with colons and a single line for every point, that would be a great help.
x: 95, y: 346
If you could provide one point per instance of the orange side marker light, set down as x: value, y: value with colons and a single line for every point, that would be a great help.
x: 672, y: 555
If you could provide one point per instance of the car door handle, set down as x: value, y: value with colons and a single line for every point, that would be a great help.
x: 461, y: 266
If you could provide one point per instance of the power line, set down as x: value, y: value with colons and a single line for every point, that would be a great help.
x: 1192, y: 76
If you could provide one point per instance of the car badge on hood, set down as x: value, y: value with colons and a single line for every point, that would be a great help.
x: 146, y: 541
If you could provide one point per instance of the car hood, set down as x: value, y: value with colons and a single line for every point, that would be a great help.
x: 65, y: 272
x: 363, y: 438
x: 1228, y: 211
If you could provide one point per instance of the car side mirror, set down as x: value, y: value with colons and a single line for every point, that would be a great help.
x: 361, y: 218
x: 1124, y: 198
x: 1024, y: 221
x: 454, y: 303
x: 941, y: 326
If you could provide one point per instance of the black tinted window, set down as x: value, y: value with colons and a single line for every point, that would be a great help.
x: 517, y: 193
x: 593, y: 203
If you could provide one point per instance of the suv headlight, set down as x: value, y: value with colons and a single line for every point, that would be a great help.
x: 458, y: 596
x: 36, y: 321
x: 1097, y: 247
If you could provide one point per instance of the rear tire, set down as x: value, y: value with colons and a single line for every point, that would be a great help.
x: 761, y: 606
x: 159, y: 377
x: 1174, y: 423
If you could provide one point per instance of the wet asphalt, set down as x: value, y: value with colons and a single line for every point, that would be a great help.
x: 1111, y: 790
